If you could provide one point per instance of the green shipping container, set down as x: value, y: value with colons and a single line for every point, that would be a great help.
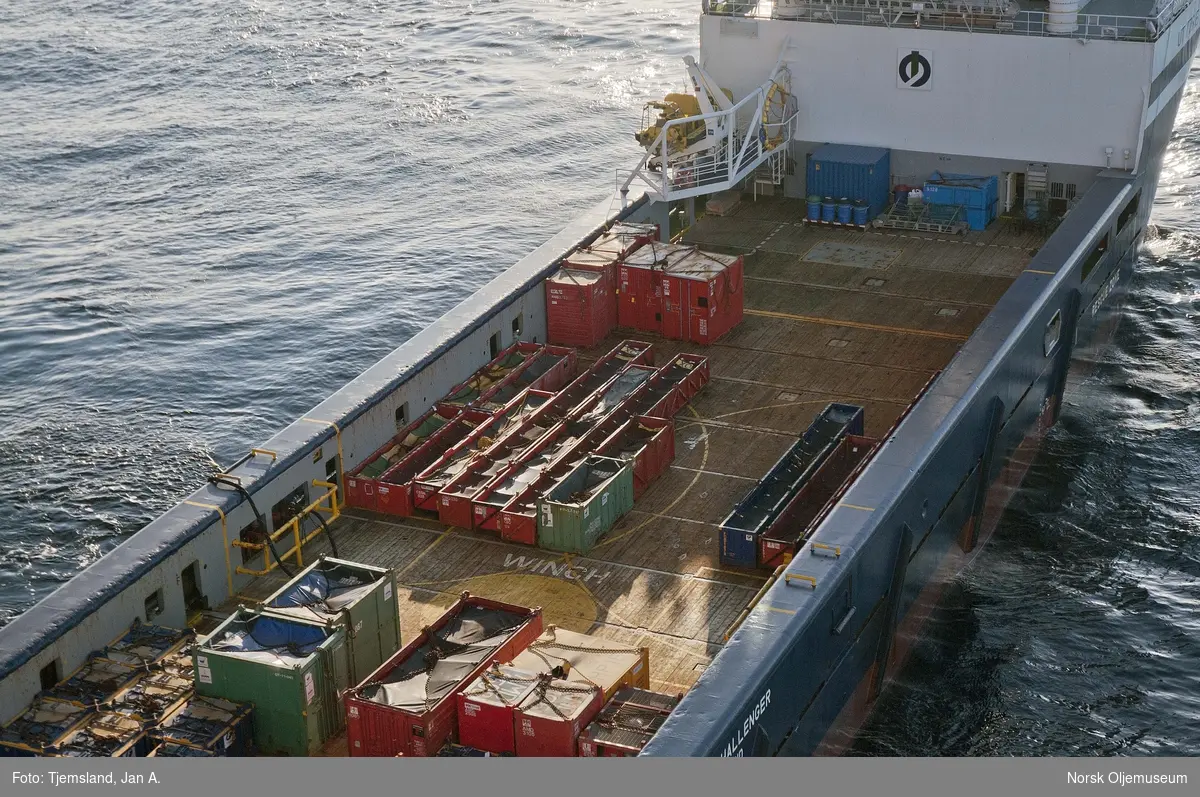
x: 293, y: 672
x: 357, y: 597
x: 582, y: 506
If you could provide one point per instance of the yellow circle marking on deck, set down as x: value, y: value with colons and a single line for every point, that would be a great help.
x: 564, y: 603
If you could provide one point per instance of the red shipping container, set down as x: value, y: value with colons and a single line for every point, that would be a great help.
x: 580, y: 308
x: 626, y: 724
x: 394, y: 488
x: 649, y: 442
x: 407, y: 708
x: 360, y: 489
x: 486, y: 707
x: 639, y: 292
x: 550, y: 719
x: 702, y: 296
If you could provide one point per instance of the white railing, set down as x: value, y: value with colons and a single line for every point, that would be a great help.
x: 740, y: 144
x: 979, y: 16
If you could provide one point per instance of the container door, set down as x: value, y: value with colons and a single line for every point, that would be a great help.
x: 363, y: 636
x: 674, y: 306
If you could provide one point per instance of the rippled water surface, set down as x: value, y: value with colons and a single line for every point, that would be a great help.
x: 214, y: 218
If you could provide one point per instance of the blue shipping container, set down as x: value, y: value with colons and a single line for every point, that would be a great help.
x: 854, y: 172
x: 221, y: 727
x: 979, y: 196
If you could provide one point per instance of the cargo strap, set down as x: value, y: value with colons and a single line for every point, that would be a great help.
x: 546, y: 686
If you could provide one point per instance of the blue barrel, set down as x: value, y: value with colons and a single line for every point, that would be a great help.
x: 861, y: 211
x: 814, y: 208
x: 828, y: 209
x: 845, y: 210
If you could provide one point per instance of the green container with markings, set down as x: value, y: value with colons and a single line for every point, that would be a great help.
x: 341, y: 594
x: 292, y: 671
x: 582, y: 506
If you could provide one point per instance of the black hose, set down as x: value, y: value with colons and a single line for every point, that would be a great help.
x: 221, y: 479
x: 328, y: 533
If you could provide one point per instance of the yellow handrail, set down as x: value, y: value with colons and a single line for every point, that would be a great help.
x: 293, y: 527
x: 741, y: 618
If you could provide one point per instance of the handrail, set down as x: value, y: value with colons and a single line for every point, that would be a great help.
x: 974, y: 17
x: 293, y: 527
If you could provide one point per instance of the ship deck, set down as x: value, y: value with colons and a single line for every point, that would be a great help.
x: 831, y: 315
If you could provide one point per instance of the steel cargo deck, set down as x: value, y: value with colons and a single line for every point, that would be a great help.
x: 831, y: 316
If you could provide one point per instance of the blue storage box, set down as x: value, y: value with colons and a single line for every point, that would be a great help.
x: 978, y: 196
x: 857, y: 173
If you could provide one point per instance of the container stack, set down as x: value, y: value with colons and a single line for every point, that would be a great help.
x: 383, y: 482
x: 537, y: 468
x: 847, y: 185
x: 291, y: 670
x: 409, y: 705
x: 681, y: 292
x: 581, y: 298
x: 106, y: 706
x: 340, y: 594
x: 626, y: 723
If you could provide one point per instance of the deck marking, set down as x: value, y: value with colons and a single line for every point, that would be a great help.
x: 435, y: 543
x: 856, y: 506
x: 682, y: 493
x: 823, y: 286
x: 661, y: 516
x: 762, y: 579
x: 714, y: 473
x: 856, y: 325
x: 842, y: 394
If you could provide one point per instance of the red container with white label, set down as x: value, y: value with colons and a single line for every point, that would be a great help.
x: 407, y: 708
x: 486, y: 707
x: 702, y: 296
x: 550, y: 719
x: 639, y: 289
x: 580, y: 307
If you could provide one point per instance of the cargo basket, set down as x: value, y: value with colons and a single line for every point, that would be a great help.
x: 215, y: 726
x: 292, y: 671
x: 40, y: 726
x: 585, y: 504
x: 759, y: 509
x: 106, y: 735
x: 408, y: 706
x: 339, y: 593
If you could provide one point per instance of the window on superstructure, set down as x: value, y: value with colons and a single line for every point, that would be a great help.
x: 1093, y: 259
x: 494, y: 345
x: 51, y: 674
x: 1128, y: 213
x: 154, y: 604
x: 402, y: 416
x: 517, y: 325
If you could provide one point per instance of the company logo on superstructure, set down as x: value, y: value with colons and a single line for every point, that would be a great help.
x: 734, y: 748
x: 914, y: 69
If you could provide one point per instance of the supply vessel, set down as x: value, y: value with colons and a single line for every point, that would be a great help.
x: 735, y: 427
